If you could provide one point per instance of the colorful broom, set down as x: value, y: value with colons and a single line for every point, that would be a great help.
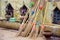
x: 43, y: 20
x: 38, y: 20
x: 29, y: 25
x: 34, y: 29
x: 23, y: 25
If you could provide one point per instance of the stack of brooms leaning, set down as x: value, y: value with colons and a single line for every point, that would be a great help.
x: 32, y: 27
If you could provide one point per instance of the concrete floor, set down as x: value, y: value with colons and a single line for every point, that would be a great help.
x: 8, y: 34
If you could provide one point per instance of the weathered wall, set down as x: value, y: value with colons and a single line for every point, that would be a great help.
x: 58, y: 5
x: 2, y: 8
x: 16, y: 4
x: 49, y: 12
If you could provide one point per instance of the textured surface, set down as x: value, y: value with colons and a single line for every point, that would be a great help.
x: 7, y: 34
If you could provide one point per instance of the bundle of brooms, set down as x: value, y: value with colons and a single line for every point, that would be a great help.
x: 32, y: 27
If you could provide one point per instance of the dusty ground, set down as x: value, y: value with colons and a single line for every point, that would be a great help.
x: 8, y: 34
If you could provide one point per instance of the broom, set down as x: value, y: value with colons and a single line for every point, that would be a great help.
x: 27, y: 30
x: 34, y: 24
x: 37, y: 6
x: 42, y: 26
x: 23, y: 25
x: 38, y: 22
x: 35, y: 28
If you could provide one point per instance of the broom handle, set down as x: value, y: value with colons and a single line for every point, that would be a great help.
x: 34, y: 20
x: 24, y: 20
x: 45, y: 13
x: 37, y: 19
x: 21, y: 28
x: 31, y: 18
x: 44, y: 17
x: 36, y: 10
